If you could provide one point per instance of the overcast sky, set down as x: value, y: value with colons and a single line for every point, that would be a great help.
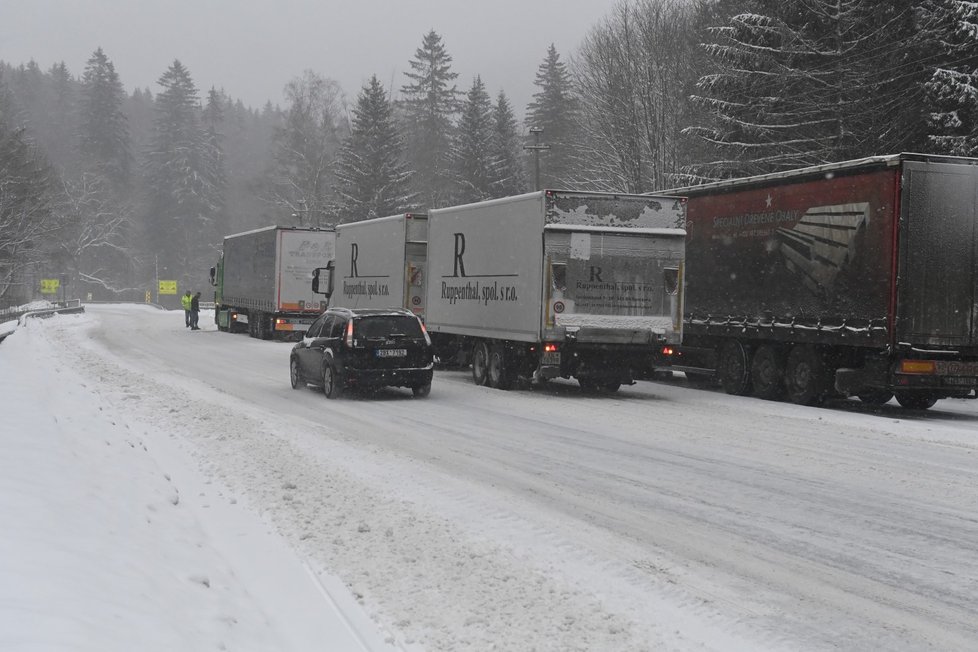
x: 252, y: 48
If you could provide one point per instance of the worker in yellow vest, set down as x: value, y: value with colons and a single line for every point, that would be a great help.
x: 185, y: 301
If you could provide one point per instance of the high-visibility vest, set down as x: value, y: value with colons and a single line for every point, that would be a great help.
x: 185, y: 301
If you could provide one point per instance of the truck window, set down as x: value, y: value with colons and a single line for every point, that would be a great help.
x: 558, y: 276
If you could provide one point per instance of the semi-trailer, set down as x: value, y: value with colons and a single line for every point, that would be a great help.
x: 857, y: 278
x: 262, y: 280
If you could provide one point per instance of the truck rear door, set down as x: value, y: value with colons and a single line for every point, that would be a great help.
x: 937, y: 303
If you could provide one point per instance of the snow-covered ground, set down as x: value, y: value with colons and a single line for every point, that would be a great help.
x: 163, y: 489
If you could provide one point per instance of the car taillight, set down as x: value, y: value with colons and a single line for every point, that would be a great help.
x: 424, y: 331
x: 349, y: 333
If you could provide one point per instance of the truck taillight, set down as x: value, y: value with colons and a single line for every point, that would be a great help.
x: 349, y: 333
x: 918, y: 367
x: 668, y: 351
x: 549, y: 348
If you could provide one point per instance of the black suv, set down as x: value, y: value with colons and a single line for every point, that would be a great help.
x: 348, y: 348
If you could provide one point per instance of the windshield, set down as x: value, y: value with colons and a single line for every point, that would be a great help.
x: 388, y: 326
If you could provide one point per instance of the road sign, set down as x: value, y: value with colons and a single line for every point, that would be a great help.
x: 168, y: 287
x: 50, y: 285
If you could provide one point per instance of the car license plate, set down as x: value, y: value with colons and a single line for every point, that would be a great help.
x: 551, y: 358
x: 391, y: 353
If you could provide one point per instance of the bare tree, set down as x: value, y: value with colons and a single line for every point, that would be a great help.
x: 307, y: 147
x: 633, y: 74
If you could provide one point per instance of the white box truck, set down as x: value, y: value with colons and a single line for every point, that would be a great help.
x: 557, y: 284
x: 380, y: 263
x: 262, y: 280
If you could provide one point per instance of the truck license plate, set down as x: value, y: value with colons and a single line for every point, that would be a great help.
x: 551, y: 358
x: 391, y: 353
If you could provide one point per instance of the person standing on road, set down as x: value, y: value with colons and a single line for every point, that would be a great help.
x: 185, y: 301
x: 195, y: 312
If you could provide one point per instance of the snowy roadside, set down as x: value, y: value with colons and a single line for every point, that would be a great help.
x: 113, y: 539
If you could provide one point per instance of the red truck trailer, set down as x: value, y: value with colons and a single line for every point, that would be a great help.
x: 851, y: 279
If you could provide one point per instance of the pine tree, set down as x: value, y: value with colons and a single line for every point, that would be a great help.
x: 951, y: 27
x: 472, y: 152
x: 507, y: 176
x: 554, y: 109
x: 104, y: 138
x: 176, y: 172
x: 430, y: 103
x: 371, y: 178
x: 213, y: 121
x: 63, y: 120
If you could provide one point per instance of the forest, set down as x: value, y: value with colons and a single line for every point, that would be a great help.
x: 111, y: 190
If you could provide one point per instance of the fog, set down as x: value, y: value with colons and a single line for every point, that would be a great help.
x: 252, y: 49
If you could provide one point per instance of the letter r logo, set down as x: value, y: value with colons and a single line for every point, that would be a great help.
x: 459, y: 250
x: 354, y: 252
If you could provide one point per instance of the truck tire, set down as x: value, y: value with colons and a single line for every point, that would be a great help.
x: 734, y: 368
x: 421, y: 391
x: 500, y: 373
x: 915, y: 401
x: 767, y: 373
x: 480, y: 363
x: 805, y: 376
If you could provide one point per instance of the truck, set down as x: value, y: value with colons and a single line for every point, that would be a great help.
x: 556, y: 284
x: 262, y: 280
x: 849, y: 279
x: 380, y: 263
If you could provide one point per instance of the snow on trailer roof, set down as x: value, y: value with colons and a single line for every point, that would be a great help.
x: 584, y: 228
x: 278, y: 228
x: 890, y: 160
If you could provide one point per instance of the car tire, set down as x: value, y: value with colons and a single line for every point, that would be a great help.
x: 295, y: 373
x: 332, y: 385
x: 421, y: 391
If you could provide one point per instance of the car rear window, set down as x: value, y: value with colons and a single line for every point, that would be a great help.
x: 387, y: 325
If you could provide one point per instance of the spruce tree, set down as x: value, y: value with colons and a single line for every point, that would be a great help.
x: 371, y: 178
x: 472, y: 151
x: 429, y: 105
x: 104, y: 138
x: 507, y: 176
x: 797, y: 84
x: 213, y: 122
x: 177, y: 176
x: 554, y: 109
x: 951, y: 28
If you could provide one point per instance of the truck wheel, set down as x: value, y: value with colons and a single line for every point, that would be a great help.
x: 295, y: 374
x: 805, y: 376
x: 734, y: 368
x: 612, y: 387
x: 875, y: 396
x: 767, y: 373
x: 332, y: 384
x: 420, y: 391
x: 913, y: 401
x: 480, y: 363
x: 500, y: 374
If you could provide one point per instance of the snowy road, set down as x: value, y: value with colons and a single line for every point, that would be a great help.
x: 661, y: 517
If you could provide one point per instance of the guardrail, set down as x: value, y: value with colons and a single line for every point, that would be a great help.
x: 63, y: 307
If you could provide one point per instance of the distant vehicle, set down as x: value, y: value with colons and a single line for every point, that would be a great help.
x: 848, y: 279
x: 263, y: 280
x: 363, y: 348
